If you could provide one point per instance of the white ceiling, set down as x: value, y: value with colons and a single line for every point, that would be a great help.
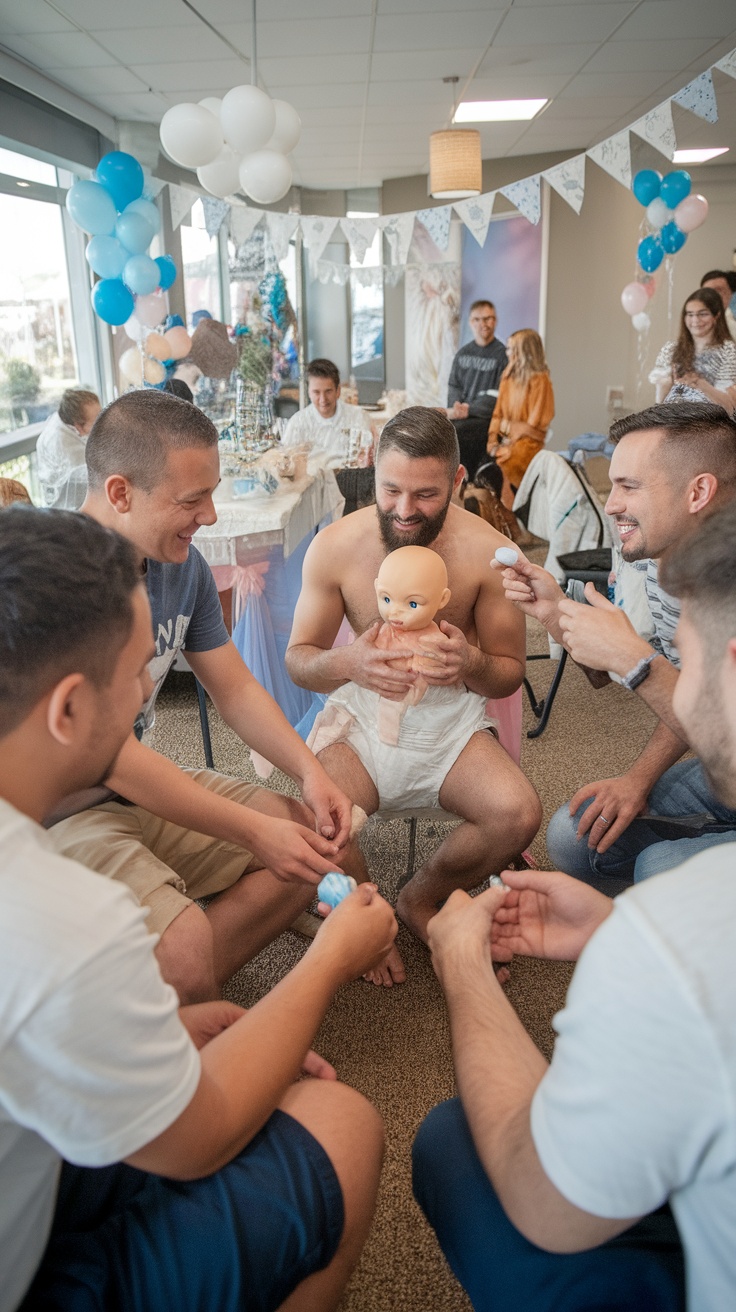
x: 366, y: 75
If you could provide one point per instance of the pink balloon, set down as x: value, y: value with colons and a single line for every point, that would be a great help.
x: 634, y: 298
x: 150, y: 309
x: 691, y: 212
x: 650, y: 288
x: 179, y: 341
x: 158, y: 347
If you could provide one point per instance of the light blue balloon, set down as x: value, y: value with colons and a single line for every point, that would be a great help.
x: 106, y: 257
x: 111, y: 301
x: 141, y: 274
x: 646, y: 185
x: 650, y: 254
x: 122, y: 176
x: 167, y: 271
x: 134, y: 232
x: 148, y: 209
x: 675, y: 187
x: 671, y: 238
x: 91, y: 207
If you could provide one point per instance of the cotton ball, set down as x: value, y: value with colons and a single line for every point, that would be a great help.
x: 506, y: 556
x: 334, y: 887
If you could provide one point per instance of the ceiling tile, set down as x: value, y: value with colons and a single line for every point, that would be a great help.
x: 192, y: 81
x: 657, y: 18
x: 627, y: 85
x: 30, y: 16
x: 506, y: 85
x: 532, y: 59
x: 333, y: 94
x: 106, y: 15
x: 441, y: 31
x: 62, y: 49
x: 422, y: 7
x: 653, y: 56
x: 161, y: 45
x: 233, y: 11
x: 305, y: 72
x: 146, y: 106
x: 561, y: 24
x: 302, y: 37
x: 422, y: 64
x: 110, y: 79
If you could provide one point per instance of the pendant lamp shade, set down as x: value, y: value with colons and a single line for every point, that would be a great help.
x: 455, y: 165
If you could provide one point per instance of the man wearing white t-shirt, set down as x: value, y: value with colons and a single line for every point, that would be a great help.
x: 248, y: 1190
x: 550, y: 1187
x: 327, y: 421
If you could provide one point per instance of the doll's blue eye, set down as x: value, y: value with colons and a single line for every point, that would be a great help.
x: 413, y: 604
x: 387, y: 600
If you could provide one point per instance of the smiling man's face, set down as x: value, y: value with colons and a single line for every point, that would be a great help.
x: 648, y: 500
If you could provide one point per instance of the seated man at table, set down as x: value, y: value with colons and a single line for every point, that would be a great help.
x: 174, y: 835
x: 326, y: 422
x: 482, y: 647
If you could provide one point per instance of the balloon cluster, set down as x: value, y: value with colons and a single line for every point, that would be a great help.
x: 241, y: 141
x: 122, y: 223
x: 156, y: 355
x: 672, y: 211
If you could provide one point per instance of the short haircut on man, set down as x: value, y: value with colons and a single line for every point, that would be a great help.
x: 65, y: 604
x: 73, y: 404
x: 701, y: 571
x: 133, y: 436
x: 324, y: 369
x: 728, y: 274
x: 421, y: 432
x: 477, y: 305
x: 699, y: 438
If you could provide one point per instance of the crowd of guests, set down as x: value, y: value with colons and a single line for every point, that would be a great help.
x: 133, y: 1099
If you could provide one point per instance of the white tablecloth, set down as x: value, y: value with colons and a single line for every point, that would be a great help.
x: 283, y: 519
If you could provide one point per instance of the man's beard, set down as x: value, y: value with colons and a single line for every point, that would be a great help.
x: 427, y: 528
x: 712, y: 736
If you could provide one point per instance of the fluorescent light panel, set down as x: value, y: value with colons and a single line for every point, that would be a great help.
x: 698, y: 156
x: 496, y: 111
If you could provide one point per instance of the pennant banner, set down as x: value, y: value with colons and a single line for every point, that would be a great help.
x: 214, y: 214
x: 243, y: 222
x: 476, y: 215
x: 399, y: 228
x: 728, y: 64
x: 568, y: 180
x: 281, y: 229
x: 699, y: 97
x: 525, y: 196
x: 317, y: 231
x: 181, y: 200
x: 657, y: 128
x: 437, y: 222
x: 327, y: 271
x: 360, y: 234
x: 614, y: 157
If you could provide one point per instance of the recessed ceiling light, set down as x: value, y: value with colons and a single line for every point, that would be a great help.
x: 496, y: 111
x: 22, y: 184
x: 698, y: 156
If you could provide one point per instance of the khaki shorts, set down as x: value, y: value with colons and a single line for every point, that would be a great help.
x: 164, y: 865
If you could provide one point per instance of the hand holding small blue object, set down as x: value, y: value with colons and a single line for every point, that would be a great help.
x: 334, y: 887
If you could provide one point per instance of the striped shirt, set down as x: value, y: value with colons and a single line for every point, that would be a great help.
x: 665, y: 612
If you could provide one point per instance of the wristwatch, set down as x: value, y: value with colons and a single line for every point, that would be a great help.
x: 639, y: 673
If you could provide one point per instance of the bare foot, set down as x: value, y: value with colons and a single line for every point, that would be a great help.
x: 388, y: 972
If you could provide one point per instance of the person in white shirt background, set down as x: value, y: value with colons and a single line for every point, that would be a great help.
x: 61, y: 445
x: 326, y: 421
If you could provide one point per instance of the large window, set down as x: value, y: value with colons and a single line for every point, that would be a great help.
x: 201, y: 259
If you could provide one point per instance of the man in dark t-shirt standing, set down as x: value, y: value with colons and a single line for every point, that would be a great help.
x: 472, y: 387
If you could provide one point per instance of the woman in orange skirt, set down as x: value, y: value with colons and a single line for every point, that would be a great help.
x: 523, y: 411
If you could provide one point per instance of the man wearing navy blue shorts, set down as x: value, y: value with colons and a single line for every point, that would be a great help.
x: 151, y: 1156
x: 606, y: 1180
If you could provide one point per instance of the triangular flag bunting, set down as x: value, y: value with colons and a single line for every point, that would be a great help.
x: 243, y: 222
x: 317, y: 231
x: 525, y: 196
x: 215, y: 212
x: 657, y: 128
x: 728, y: 64
x: 476, y: 214
x: 437, y: 222
x: 699, y: 97
x: 399, y: 229
x: 614, y: 156
x: 568, y: 180
x: 360, y: 234
x: 181, y: 200
x: 281, y: 229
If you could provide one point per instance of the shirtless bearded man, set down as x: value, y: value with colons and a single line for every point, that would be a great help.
x: 417, y: 469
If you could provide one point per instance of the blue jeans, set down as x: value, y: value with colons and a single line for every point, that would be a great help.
x: 500, y: 1270
x: 681, y: 791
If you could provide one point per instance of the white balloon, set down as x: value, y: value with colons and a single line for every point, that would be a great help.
x: 212, y: 103
x: 641, y: 322
x: 191, y: 135
x: 265, y: 176
x: 658, y: 212
x: 248, y: 119
x: 221, y: 177
x: 135, y: 330
x: 288, y: 128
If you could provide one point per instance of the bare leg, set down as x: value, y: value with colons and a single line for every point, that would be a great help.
x: 502, y: 813
x: 351, y: 1133
x: 344, y: 766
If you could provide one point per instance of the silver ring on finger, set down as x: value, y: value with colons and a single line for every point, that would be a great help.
x: 602, y: 820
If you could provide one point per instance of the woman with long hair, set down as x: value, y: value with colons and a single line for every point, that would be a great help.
x: 701, y: 364
x: 524, y: 410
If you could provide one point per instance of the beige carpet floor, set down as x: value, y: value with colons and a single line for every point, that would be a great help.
x: 393, y: 1045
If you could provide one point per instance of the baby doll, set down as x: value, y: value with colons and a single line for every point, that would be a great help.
x: 411, y: 587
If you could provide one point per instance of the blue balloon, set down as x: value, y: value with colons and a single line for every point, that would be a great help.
x: 172, y: 321
x: 671, y: 238
x: 650, y: 254
x: 141, y: 274
x: 167, y: 271
x: 91, y: 207
x: 111, y: 301
x: 134, y: 232
x: 122, y: 176
x: 646, y: 185
x: 106, y: 257
x: 149, y: 210
x: 675, y: 187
